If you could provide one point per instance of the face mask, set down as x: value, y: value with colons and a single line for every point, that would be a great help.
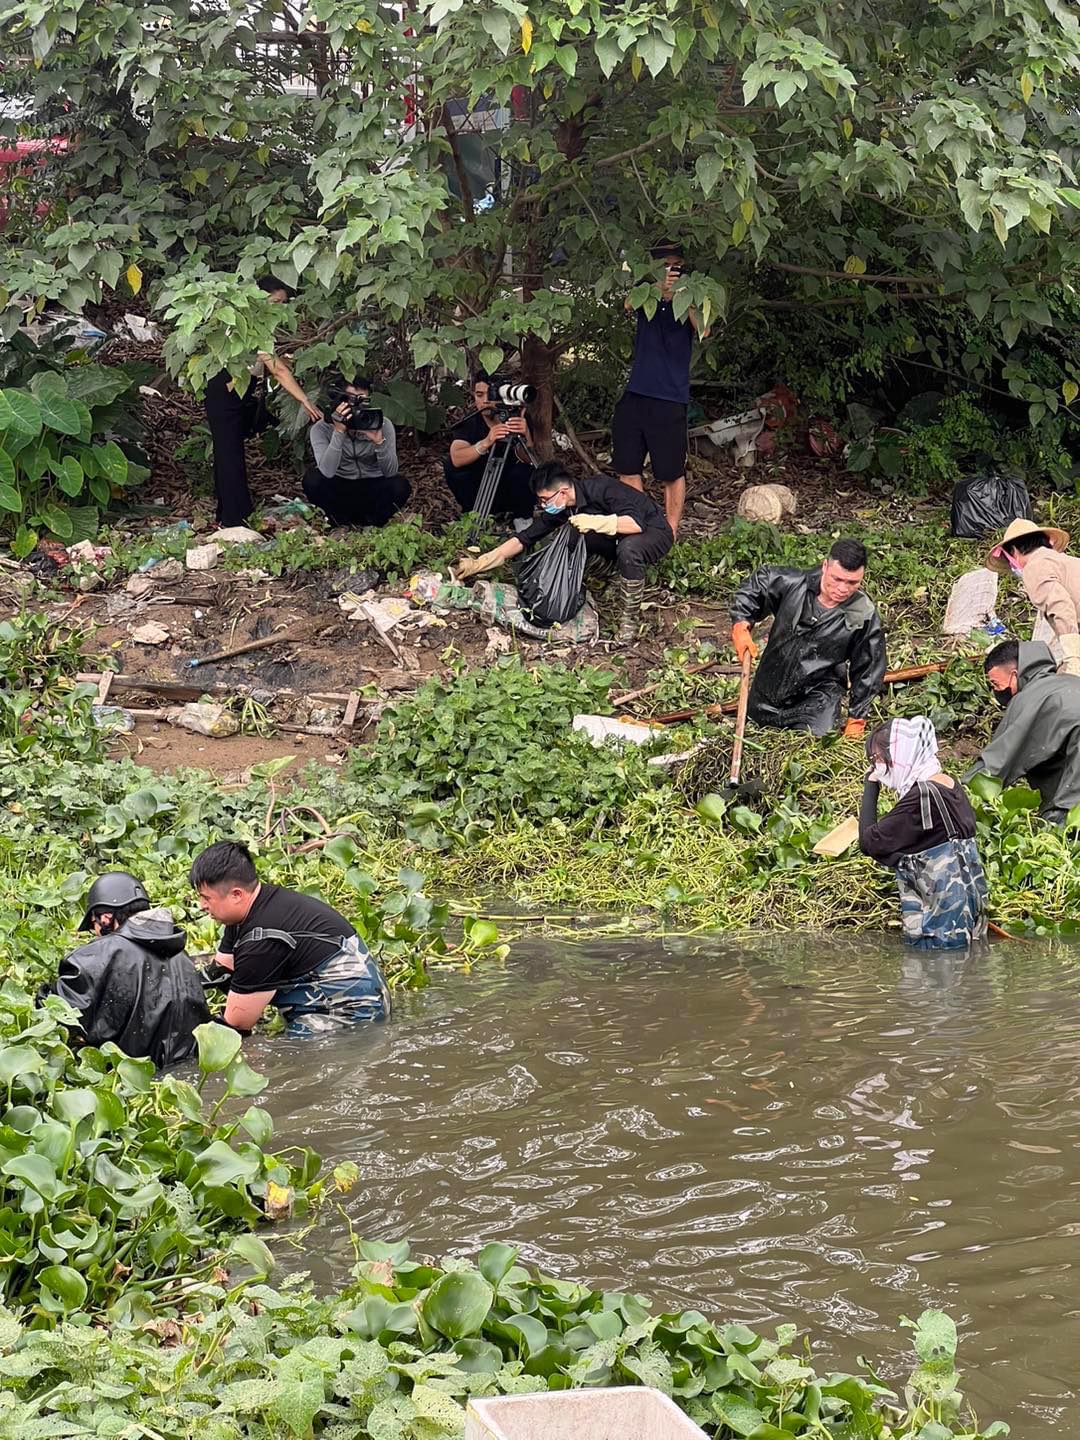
x: 1002, y: 697
x: 552, y: 507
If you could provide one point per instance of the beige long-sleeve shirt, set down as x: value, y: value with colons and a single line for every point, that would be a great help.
x: 1052, y: 582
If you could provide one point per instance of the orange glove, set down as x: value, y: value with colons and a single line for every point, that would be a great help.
x: 743, y: 641
x: 854, y: 729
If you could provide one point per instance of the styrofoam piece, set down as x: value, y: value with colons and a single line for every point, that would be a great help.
x: 971, y: 600
x: 629, y: 1412
x: 600, y: 728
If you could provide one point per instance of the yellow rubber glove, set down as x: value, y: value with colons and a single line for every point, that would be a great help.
x: 743, y: 641
x: 854, y: 729
x: 596, y: 524
x: 470, y: 565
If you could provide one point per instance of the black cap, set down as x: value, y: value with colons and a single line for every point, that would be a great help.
x: 112, y: 891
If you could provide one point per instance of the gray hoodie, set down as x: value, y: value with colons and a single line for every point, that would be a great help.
x: 351, y: 457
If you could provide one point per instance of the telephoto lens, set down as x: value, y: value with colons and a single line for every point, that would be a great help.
x: 516, y: 394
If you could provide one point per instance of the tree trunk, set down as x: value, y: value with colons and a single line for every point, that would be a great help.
x: 538, y: 368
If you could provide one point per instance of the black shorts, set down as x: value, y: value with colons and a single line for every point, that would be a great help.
x: 643, y: 426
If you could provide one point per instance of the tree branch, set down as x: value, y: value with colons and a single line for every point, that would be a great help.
x: 467, y: 204
x: 843, y: 275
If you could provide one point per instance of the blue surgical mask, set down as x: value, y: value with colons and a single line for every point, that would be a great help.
x: 552, y: 507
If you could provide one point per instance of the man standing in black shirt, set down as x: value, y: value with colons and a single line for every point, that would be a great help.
x: 620, y: 524
x: 285, y: 949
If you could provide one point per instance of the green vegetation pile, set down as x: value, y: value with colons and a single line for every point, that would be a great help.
x: 397, y: 1354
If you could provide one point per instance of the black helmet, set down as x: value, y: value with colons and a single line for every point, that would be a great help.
x: 112, y: 892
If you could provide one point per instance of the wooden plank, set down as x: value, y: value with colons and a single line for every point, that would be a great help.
x: 351, y: 707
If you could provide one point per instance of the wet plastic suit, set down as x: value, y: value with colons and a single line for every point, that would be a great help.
x: 811, y: 658
x: 137, y: 988
x: 1039, y: 736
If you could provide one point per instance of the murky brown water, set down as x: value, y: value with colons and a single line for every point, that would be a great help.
x: 831, y: 1132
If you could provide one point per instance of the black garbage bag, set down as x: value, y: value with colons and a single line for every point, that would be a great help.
x: 138, y: 988
x: 984, y: 504
x: 551, y: 579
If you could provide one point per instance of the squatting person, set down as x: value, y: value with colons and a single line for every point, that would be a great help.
x: 1051, y: 580
x: 134, y: 983
x: 928, y: 837
x: 622, y: 527
x: 1039, y: 736
x: 230, y: 417
x: 650, y: 417
x: 285, y: 949
x: 826, y: 641
x: 473, y: 440
x: 355, y: 478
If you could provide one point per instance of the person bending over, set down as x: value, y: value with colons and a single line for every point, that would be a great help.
x: 827, y: 641
x: 621, y: 525
x: 134, y: 983
x: 1039, y: 735
x: 473, y: 440
x: 285, y: 949
x: 355, y: 477
x: 1051, y: 580
x: 928, y: 838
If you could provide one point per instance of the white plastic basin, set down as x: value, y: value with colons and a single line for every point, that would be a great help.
x: 625, y: 1413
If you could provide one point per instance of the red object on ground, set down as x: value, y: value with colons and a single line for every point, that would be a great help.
x: 780, y: 406
x: 824, y: 440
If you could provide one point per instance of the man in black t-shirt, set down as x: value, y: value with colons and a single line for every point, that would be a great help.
x: 472, y: 442
x: 285, y: 949
x: 621, y: 525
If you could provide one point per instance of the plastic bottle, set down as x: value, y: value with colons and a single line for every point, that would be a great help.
x: 994, y: 627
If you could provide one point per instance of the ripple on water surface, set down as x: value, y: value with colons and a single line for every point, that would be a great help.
x: 831, y: 1132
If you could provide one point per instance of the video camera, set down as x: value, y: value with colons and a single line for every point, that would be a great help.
x: 508, y: 398
x: 359, y: 415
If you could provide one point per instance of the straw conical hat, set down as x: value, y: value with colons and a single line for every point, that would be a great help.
x: 999, y: 562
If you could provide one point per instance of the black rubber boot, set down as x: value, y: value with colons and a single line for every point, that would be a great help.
x: 631, y: 594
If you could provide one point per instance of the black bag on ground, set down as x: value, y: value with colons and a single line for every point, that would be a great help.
x: 551, y: 580
x: 984, y: 504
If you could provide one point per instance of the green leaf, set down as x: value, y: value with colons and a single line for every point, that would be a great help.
x: 738, y: 1414
x: 218, y: 1046
x: 113, y: 462
x: 259, y: 1124
x: 712, y: 807
x: 935, y: 1335
x: 57, y: 521
x: 19, y: 412
x: 36, y: 1171
x: 707, y: 168
x: 70, y: 476
x: 10, y: 498
x: 251, y: 1250
x: 494, y: 1262
x: 458, y: 1303
x: 298, y: 1401
x: 219, y: 1164
x: 58, y: 412
x: 65, y: 1284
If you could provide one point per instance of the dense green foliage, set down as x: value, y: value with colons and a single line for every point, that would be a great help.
x: 898, y: 180
x: 113, y: 1186
x: 398, y: 1353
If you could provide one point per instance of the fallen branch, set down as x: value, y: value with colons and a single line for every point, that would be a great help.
x: 579, y: 449
x: 632, y: 695
x: 281, y: 637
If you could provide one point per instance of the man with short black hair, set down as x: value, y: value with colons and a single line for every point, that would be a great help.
x: 231, y: 418
x: 1039, y: 736
x: 623, y: 528
x: 472, y: 441
x: 355, y: 477
x: 650, y: 417
x: 827, y: 640
x: 133, y: 984
x: 286, y: 949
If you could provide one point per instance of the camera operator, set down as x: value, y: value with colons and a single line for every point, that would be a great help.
x: 650, y: 418
x: 473, y: 439
x: 355, y: 477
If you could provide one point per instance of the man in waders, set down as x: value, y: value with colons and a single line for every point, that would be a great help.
x: 133, y: 983
x: 285, y: 949
x: 826, y: 643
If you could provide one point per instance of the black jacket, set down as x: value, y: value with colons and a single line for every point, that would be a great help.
x: 841, y: 647
x: 600, y: 495
x: 137, y: 988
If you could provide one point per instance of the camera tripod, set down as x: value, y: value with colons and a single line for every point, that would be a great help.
x: 493, y: 472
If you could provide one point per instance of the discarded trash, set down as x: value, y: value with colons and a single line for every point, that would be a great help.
x: 150, y: 634
x: 236, y: 535
x: 498, y: 604
x: 113, y: 719
x: 630, y: 1411
x: 498, y: 642
x: 601, y: 728
x: 768, y: 503
x: 203, y: 557
x: 290, y: 509
x: 840, y: 838
x: 971, y: 601
x: 166, y: 570
x: 140, y: 329
x: 139, y: 586
x: 204, y: 717
x: 984, y: 504
x: 741, y: 431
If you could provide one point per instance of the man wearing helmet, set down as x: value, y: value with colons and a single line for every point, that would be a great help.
x: 133, y: 983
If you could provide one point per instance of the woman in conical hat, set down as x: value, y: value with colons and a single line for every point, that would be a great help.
x: 1052, y: 580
